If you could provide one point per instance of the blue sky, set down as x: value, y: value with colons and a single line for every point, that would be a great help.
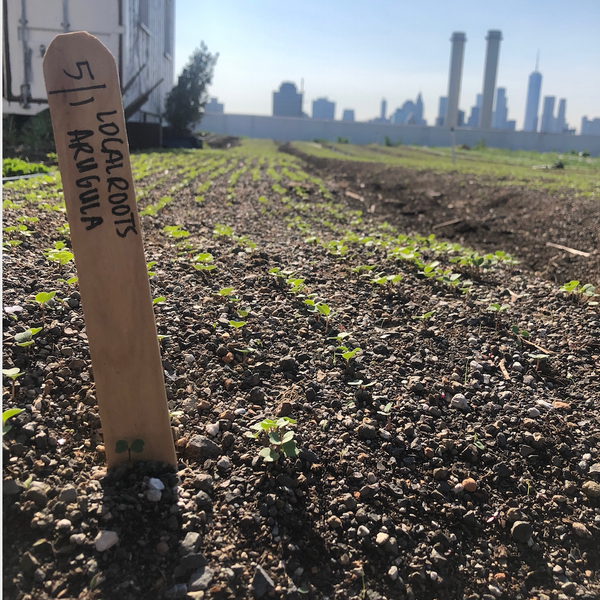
x: 358, y: 52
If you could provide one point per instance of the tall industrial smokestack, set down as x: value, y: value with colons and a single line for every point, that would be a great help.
x: 489, y: 78
x: 456, y: 62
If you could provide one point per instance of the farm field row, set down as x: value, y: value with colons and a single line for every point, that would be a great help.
x: 580, y: 176
x: 443, y: 399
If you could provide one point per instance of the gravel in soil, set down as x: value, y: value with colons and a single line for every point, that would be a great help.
x: 445, y: 449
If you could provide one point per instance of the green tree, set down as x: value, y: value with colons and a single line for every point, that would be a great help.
x: 185, y: 102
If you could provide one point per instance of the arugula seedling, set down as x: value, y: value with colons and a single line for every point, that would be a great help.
x: 42, y: 299
x: 425, y: 316
x: 276, y: 437
x: 7, y: 414
x: 477, y: 443
x: 538, y: 358
x: 136, y: 446
x: 203, y: 259
x: 23, y: 339
x: 497, y: 308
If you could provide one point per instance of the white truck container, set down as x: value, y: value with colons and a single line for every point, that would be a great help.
x: 139, y: 33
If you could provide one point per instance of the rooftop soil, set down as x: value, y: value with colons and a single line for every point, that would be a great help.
x: 455, y: 454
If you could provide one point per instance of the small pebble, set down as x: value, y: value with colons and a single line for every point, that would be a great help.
x: 212, y: 429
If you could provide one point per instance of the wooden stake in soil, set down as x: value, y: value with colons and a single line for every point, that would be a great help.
x: 91, y: 143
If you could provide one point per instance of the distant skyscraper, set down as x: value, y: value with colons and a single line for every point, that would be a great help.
x: 443, y: 107
x: 590, y: 127
x: 411, y: 113
x: 456, y: 62
x: 473, y: 120
x: 533, y: 100
x: 419, y: 110
x: 383, y: 116
x: 489, y: 78
x: 323, y: 109
x: 501, y: 113
x: 287, y: 102
x: 561, y: 123
x: 348, y: 115
x: 214, y: 107
x: 548, y: 115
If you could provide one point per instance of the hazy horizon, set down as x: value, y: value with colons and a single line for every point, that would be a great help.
x: 356, y: 53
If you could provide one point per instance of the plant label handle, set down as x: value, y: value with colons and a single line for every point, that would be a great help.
x: 91, y: 143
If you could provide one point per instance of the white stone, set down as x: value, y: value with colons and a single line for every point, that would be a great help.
x: 212, y: 429
x: 63, y: 525
x: 224, y: 463
x: 153, y: 495
x: 459, y: 401
x: 382, y: 538
x: 77, y: 539
x: 156, y: 484
x: 533, y: 413
x: 393, y: 573
x: 105, y: 540
x: 189, y: 358
x: 363, y: 531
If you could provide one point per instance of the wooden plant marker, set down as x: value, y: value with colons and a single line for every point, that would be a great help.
x: 91, y: 143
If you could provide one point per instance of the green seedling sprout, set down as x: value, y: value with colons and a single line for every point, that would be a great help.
x: 497, y: 308
x: 388, y: 281
x: 136, y: 446
x: 158, y: 300
x: 57, y: 254
x: 202, y: 261
x: 237, y: 324
x: 276, y: 437
x: 226, y: 293
x: 222, y: 230
x: 478, y: 443
x: 243, y: 312
x: 538, y: 358
x: 387, y: 412
x: 12, y: 374
x: 7, y: 414
x: 340, y: 336
x: 348, y: 355
x: 149, y: 266
x: 323, y: 309
x: 175, y: 231
x: 42, y: 299
x: 425, y: 316
x: 583, y: 292
x: 23, y: 339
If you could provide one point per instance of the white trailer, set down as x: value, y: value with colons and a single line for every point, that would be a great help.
x: 139, y: 33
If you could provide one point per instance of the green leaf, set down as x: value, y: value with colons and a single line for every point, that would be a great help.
x: 121, y: 446
x: 269, y: 455
x: 25, y: 344
x: 226, y: 291
x: 479, y: 445
x: 44, y: 297
x: 289, y: 448
x: 23, y: 336
x: 323, y: 309
x: 274, y: 438
x: 158, y: 300
x: 267, y: 424
x: 137, y: 446
x: 288, y: 436
x: 237, y: 324
x: 12, y: 373
x: 11, y: 412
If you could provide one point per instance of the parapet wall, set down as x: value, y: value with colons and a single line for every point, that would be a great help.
x: 286, y: 129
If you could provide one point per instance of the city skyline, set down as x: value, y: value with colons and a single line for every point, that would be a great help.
x: 356, y: 54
